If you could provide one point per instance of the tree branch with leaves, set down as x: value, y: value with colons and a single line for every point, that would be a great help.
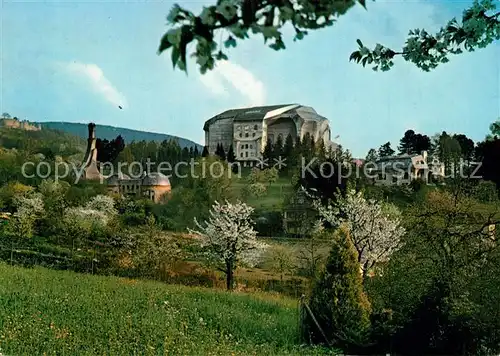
x: 230, y: 21
x: 478, y: 28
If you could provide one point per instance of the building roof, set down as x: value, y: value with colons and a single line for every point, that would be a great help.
x: 259, y: 113
x: 155, y: 179
x: 114, y: 179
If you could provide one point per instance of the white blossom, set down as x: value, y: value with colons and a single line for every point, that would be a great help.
x: 96, y: 213
x: 29, y: 208
x: 229, y: 237
x: 375, y: 228
x: 31, y: 205
x: 102, y: 203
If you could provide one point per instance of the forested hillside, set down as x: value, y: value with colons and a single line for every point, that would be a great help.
x: 110, y: 132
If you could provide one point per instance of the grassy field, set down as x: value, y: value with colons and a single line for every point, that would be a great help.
x: 273, y: 198
x: 45, y: 311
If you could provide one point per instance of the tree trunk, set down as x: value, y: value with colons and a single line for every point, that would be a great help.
x: 229, y: 275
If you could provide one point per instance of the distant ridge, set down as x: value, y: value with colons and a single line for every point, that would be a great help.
x: 110, y: 132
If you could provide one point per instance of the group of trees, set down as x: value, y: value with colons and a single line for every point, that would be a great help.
x: 291, y: 150
x: 166, y: 151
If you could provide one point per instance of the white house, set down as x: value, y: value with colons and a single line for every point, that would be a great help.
x: 402, y: 169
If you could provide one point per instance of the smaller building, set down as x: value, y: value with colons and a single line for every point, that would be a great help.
x: 298, y: 214
x: 403, y: 169
x: 15, y: 123
x: 151, y: 186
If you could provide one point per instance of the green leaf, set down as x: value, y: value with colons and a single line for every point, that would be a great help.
x: 164, y: 44
x: 230, y: 42
x: 355, y: 56
x: 207, y: 16
x: 174, y: 12
x: 220, y: 56
x: 174, y: 36
x: 278, y: 44
x: 238, y: 31
x: 359, y: 42
x: 227, y: 10
x: 270, y: 32
x: 299, y: 36
x: 175, y: 56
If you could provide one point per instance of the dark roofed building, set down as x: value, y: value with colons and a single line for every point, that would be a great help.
x: 249, y: 129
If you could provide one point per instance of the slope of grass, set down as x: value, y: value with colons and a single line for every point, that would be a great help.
x: 44, y: 311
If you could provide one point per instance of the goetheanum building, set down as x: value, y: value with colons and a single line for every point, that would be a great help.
x: 248, y: 130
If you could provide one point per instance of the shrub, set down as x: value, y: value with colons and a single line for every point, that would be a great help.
x: 337, y: 300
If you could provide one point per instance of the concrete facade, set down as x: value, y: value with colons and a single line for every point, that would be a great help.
x: 248, y: 130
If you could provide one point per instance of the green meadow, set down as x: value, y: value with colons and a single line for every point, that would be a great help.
x: 60, y: 312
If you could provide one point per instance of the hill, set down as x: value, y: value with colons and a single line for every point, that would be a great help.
x: 110, y: 132
x: 44, y: 311
x: 48, y: 141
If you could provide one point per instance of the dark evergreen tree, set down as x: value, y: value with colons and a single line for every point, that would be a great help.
x: 372, y: 155
x: 306, y: 147
x: 407, y: 143
x: 108, y: 151
x: 218, y: 150
x: 185, y: 155
x: 204, y: 153
x: 196, y: 152
x: 414, y: 143
x: 268, y: 151
x: 278, y: 147
x: 489, y: 154
x: 222, y: 153
x: 288, y: 148
x: 338, y: 301
x: 385, y: 150
x: 324, y: 179
x: 466, y: 146
x: 231, y: 157
x: 321, y: 150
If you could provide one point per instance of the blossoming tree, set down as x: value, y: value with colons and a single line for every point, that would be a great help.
x: 375, y: 228
x: 229, y: 238
x: 29, y: 208
x: 95, y: 215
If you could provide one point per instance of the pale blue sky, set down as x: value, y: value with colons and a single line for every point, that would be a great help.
x: 77, y: 61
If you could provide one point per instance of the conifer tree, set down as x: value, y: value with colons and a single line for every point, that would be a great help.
x: 222, y: 153
x: 278, y: 147
x: 231, y: 157
x: 196, y: 152
x: 288, y: 148
x: 204, y: 153
x: 321, y: 150
x: 338, y: 301
x: 268, y: 151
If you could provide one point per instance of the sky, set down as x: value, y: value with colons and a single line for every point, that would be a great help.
x: 78, y: 61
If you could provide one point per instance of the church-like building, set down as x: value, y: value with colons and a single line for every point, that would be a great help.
x: 151, y: 185
x: 248, y: 130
